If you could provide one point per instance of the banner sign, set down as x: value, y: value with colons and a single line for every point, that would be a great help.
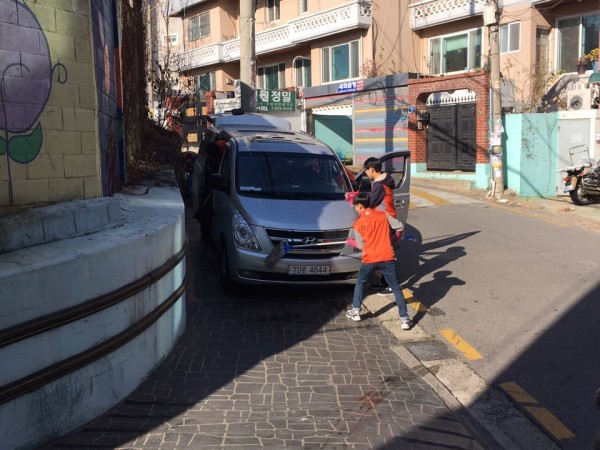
x: 350, y: 86
x: 268, y: 100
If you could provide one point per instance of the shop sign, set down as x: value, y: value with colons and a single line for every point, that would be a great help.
x: 269, y: 100
x: 350, y: 86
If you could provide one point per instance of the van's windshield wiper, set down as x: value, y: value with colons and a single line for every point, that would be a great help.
x: 308, y: 195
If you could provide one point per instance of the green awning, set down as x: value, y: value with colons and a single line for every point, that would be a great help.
x: 594, y: 78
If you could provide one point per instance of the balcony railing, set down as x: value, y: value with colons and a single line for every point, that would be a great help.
x: 426, y: 13
x: 352, y: 15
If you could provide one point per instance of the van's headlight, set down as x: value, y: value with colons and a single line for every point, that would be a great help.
x: 243, y: 236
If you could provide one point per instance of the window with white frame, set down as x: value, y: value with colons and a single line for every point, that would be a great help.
x: 340, y: 62
x: 510, y: 37
x: 273, y: 10
x: 199, y: 26
x: 271, y: 77
x: 302, y: 6
x: 171, y: 39
x: 579, y: 32
x: 302, y: 76
x: 455, y: 52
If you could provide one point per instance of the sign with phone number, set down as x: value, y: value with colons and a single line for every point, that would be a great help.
x: 268, y: 100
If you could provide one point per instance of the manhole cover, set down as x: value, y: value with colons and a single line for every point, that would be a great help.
x: 429, y: 350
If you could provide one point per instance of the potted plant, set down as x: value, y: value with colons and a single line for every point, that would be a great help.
x: 592, y: 57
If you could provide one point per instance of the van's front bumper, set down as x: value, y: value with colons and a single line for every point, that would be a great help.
x: 250, y: 268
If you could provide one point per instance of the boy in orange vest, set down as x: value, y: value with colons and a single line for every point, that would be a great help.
x: 372, y: 232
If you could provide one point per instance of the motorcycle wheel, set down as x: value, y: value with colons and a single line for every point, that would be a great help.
x: 577, y: 195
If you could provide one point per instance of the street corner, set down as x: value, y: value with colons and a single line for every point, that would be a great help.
x: 384, y: 309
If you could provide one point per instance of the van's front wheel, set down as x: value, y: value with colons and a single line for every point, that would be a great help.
x: 227, y: 284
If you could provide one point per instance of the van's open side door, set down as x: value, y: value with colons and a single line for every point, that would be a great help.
x: 397, y: 164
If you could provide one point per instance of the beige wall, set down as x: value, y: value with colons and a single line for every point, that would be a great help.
x: 67, y: 166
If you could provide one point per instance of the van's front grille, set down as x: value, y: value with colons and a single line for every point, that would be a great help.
x: 310, y: 244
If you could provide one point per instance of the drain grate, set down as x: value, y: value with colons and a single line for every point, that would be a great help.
x: 429, y: 350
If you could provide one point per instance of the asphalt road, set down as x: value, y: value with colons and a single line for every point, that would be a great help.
x: 515, y: 294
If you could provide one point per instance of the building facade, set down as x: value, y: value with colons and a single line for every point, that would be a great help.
x: 312, y: 46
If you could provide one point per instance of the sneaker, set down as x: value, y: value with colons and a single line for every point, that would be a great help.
x: 354, y: 315
x: 407, y: 324
x: 386, y: 291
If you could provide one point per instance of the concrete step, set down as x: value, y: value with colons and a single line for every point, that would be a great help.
x: 40, y: 225
x: 443, y: 184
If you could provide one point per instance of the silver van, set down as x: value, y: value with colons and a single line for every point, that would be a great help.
x: 275, y: 203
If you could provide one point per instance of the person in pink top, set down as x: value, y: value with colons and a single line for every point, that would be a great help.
x: 372, y: 235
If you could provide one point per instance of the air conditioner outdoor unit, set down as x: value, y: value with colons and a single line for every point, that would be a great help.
x: 579, y: 99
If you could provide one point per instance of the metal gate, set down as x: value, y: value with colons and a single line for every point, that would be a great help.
x: 451, y: 137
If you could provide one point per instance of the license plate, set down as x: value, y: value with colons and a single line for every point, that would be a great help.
x: 568, y: 188
x: 309, y: 270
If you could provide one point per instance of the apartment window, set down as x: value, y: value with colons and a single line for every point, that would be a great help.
x: 271, y: 77
x: 302, y: 72
x: 199, y: 26
x: 581, y: 33
x: 302, y: 6
x: 171, y: 39
x: 272, y: 10
x: 203, y: 83
x: 455, y: 53
x: 510, y: 37
x: 340, y: 62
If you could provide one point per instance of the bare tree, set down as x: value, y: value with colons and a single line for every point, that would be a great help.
x: 170, y: 92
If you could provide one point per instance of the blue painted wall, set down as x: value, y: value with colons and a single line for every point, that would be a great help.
x: 531, y: 147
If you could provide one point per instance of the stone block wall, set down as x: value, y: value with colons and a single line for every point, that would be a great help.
x: 50, y: 146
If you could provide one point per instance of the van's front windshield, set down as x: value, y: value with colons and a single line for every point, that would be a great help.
x: 288, y: 175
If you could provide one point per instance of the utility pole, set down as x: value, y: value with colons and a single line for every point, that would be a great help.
x: 247, y: 56
x: 491, y: 17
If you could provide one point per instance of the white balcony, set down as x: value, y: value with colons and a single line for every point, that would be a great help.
x: 427, y: 13
x: 350, y: 16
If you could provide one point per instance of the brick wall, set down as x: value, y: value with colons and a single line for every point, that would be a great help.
x: 48, y: 127
x: 420, y: 89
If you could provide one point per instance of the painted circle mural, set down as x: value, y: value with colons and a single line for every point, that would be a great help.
x: 25, y: 68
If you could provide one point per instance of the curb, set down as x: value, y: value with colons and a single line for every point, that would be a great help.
x: 493, y: 420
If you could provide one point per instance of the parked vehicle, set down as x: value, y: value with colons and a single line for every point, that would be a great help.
x: 278, y: 189
x: 582, y: 179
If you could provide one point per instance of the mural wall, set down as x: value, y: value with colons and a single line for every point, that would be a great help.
x: 54, y: 122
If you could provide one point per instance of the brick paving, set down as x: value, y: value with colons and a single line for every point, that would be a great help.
x: 271, y: 372
x: 277, y: 368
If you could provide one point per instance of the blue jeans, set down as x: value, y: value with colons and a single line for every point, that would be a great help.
x: 388, y: 270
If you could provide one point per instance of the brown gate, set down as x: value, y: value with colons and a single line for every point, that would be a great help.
x: 451, y: 137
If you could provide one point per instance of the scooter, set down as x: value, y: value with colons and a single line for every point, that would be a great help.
x: 582, y: 180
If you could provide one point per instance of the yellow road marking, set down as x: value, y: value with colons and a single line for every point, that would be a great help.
x: 460, y: 344
x: 427, y: 196
x: 548, y: 420
x: 413, y: 302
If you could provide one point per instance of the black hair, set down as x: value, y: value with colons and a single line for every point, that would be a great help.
x: 374, y: 163
x: 362, y: 198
